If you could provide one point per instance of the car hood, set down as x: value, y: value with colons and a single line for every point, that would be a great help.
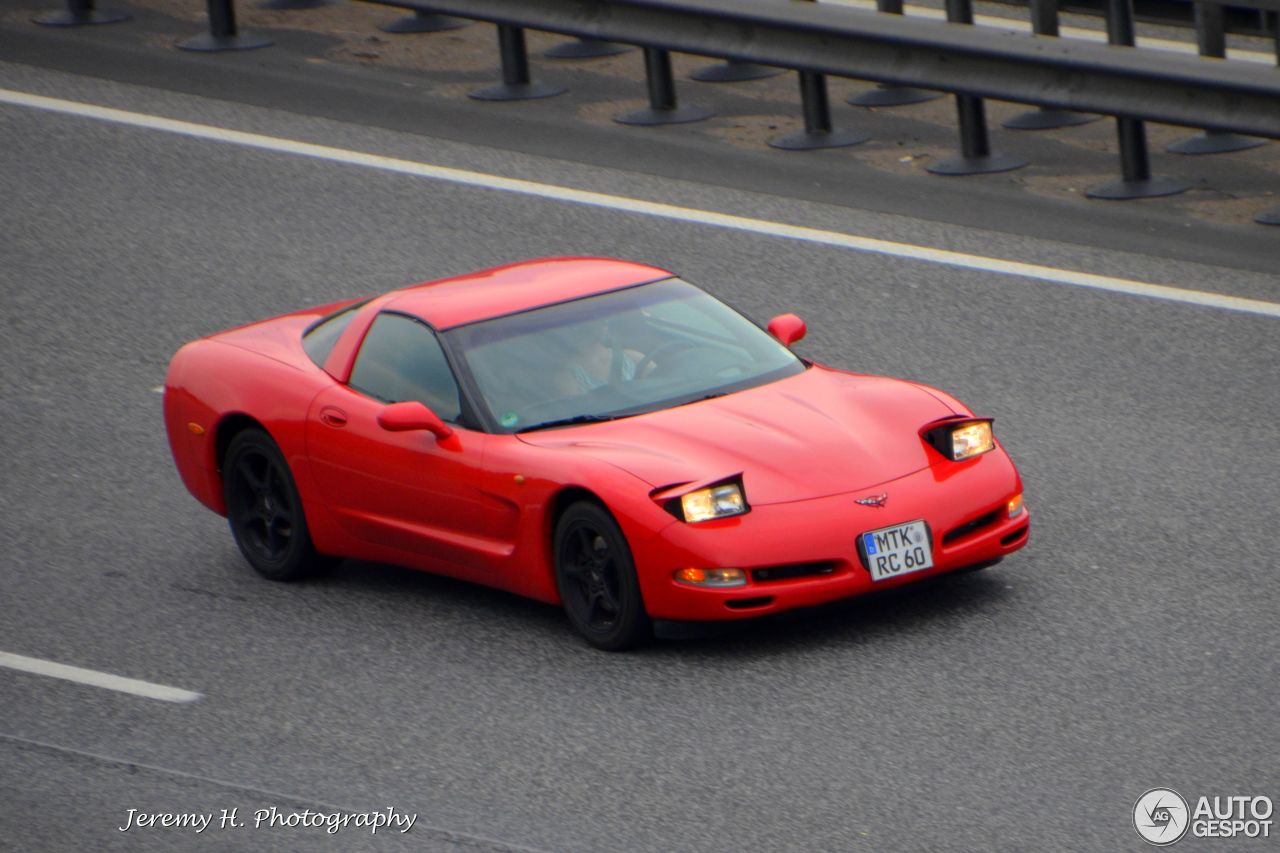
x: 818, y: 433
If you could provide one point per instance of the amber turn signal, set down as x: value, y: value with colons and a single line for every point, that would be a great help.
x: 712, y: 577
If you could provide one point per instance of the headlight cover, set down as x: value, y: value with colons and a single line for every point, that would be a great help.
x: 722, y: 500
x: 962, y: 439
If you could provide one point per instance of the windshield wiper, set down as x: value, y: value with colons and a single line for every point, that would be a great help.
x: 576, y: 419
x: 714, y: 396
x: 596, y: 419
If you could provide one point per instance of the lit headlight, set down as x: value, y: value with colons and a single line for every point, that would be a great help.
x: 962, y: 439
x: 713, y: 502
x: 971, y: 439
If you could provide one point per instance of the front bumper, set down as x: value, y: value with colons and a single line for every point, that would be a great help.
x: 804, y: 553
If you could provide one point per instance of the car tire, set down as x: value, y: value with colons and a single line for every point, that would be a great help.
x: 265, y: 512
x: 596, y: 578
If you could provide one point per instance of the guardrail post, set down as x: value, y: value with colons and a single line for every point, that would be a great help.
x: 1044, y: 22
x: 423, y: 22
x: 662, y: 108
x: 515, y: 85
x: 817, y: 131
x: 1212, y: 41
x: 887, y: 94
x: 80, y: 13
x: 581, y: 48
x: 734, y: 71
x: 223, y: 34
x: 1135, y: 166
x: 975, y: 152
x: 1272, y: 216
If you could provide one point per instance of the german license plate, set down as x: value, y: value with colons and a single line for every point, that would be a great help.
x: 897, y: 550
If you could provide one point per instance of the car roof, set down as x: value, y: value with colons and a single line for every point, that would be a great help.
x: 517, y: 287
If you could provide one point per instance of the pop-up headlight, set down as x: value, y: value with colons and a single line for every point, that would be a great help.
x: 960, y: 440
x: 713, y: 502
x: 718, y: 500
x: 971, y: 439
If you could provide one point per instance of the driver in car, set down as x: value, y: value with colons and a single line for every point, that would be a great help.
x: 594, y: 358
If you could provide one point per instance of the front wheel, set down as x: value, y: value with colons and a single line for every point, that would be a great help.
x: 265, y: 510
x: 597, y: 579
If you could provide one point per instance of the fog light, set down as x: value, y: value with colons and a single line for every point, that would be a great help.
x: 712, y: 577
x: 1015, y: 506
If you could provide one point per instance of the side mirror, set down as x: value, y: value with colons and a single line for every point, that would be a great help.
x: 412, y: 415
x: 787, y: 328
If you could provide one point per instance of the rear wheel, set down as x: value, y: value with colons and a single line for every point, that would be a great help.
x: 597, y: 579
x: 265, y: 511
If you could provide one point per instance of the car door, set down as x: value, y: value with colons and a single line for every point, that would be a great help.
x: 407, y: 490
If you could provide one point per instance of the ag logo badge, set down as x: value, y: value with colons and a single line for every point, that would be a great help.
x: 1161, y: 816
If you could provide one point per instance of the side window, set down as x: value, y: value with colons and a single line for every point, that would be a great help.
x: 319, y: 340
x: 401, y: 360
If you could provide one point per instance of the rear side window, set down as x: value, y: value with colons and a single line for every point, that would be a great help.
x: 319, y: 340
x: 401, y: 360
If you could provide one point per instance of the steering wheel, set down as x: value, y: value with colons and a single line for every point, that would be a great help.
x: 650, y: 361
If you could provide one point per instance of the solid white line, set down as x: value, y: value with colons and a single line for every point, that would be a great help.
x: 648, y: 208
x: 93, y: 678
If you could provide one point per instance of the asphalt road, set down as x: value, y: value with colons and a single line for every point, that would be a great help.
x: 1133, y: 644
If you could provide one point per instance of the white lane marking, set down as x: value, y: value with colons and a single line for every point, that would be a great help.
x: 649, y: 208
x: 93, y: 678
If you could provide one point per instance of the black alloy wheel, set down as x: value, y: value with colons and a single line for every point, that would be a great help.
x: 265, y: 511
x: 597, y: 580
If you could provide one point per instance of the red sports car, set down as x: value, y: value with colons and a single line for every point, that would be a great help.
x: 589, y: 432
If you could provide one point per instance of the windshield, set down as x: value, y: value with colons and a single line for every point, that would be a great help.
x: 616, y: 354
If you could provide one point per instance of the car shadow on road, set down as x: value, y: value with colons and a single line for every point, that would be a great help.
x: 949, y: 601
x: 938, y: 602
x: 473, y: 603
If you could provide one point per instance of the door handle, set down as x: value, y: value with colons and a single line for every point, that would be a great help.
x: 333, y: 416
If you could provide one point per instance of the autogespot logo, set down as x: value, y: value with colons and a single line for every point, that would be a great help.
x: 1161, y: 816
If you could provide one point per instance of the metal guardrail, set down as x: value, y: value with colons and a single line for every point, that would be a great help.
x: 1061, y: 73
x: 1068, y: 79
x: 1245, y: 17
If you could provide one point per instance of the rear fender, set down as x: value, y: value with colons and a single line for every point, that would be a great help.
x: 212, y: 391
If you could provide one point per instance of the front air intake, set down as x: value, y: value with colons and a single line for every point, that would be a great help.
x: 790, y: 572
x: 748, y: 603
x: 971, y: 527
